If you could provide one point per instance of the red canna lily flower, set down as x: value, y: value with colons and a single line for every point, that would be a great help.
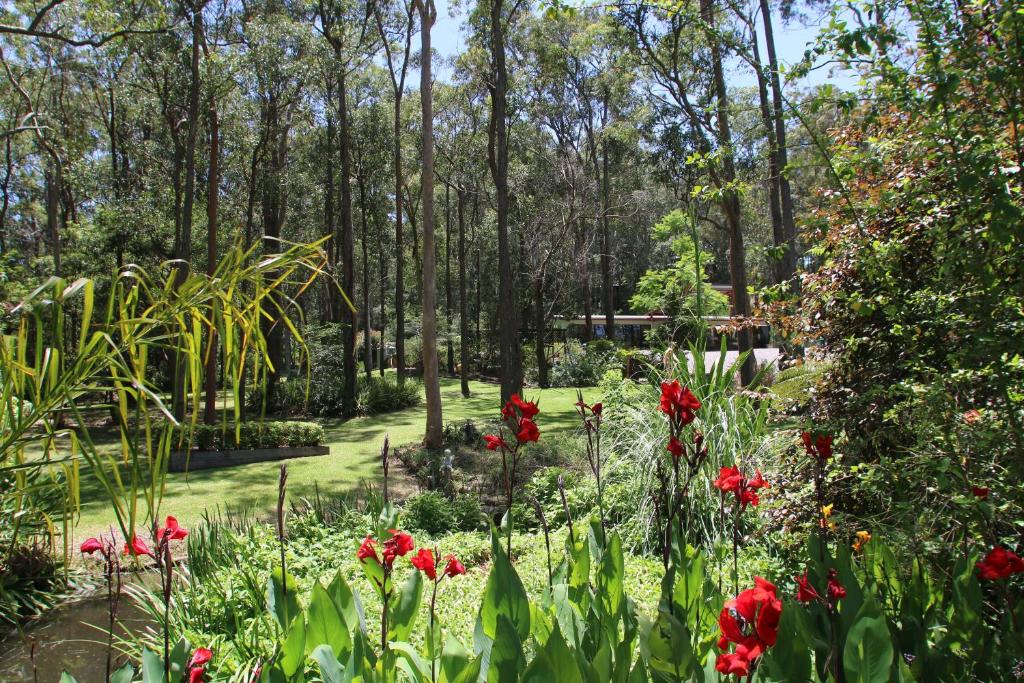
x: 817, y: 446
x: 494, y: 442
x: 527, y: 431
x: 805, y: 592
x: 201, y: 657
x: 675, y: 448
x: 1000, y: 563
x: 678, y: 402
x: 836, y: 591
x: 195, y: 674
x: 424, y: 561
x: 454, y: 567
x: 91, y: 545
x: 172, y: 530
x: 597, y: 409
x: 399, y: 545
x: 527, y: 409
x: 136, y: 546
x: 729, y: 479
x: 980, y: 492
x: 750, y: 621
x: 367, y: 550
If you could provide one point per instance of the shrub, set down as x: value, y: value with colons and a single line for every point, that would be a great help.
x: 384, y: 394
x: 252, y: 435
x: 583, y: 365
x: 436, y: 514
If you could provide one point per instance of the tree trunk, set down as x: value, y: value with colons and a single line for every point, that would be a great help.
x: 183, y: 251
x: 448, y: 278
x: 508, y: 323
x: 730, y: 201
x: 774, y: 177
x: 333, y: 302
x: 367, y: 349
x: 463, y: 302
x: 399, y: 245
x: 52, y: 178
x: 538, y: 323
x: 607, y: 289
x: 785, y: 193
x: 348, y: 272
x: 433, y: 439
x: 583, y: 249
x: 213, y: 183
x: 383, y: 262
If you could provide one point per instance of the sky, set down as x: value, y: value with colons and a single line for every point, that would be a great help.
x: 791, y: 41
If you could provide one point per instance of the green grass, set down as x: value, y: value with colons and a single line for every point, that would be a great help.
x: 354, y: 458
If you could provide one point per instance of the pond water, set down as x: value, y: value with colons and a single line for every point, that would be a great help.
x: 72, y: 638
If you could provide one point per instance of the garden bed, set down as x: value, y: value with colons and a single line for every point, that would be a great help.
x: 206, y: 460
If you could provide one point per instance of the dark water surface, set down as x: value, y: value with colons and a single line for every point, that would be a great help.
x: 72, y: 638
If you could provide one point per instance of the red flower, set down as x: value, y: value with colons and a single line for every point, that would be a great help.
x: 678, y: 402
x: 136, y: 546
x: 424, y: 561
x: 972, y: 416
x: 173, y: 531
x: 366, y: 550
x: 91, y: 545
x: 195, y: 674
x: 733, y: 663
x: 729, y: 479
x: 527, y: 409
x: 494, y: 442
x: 817, y: 447
x: 597, y: 408
x: 201, y: 656
x: 399, y: 545
x: 751, y: 622
x: 454, y: 567
x: 836, y: 592
x: 980, y: 492
x: 805, y: 592
x: 745, y: 490
x: 675, y: 448
x: 527, y: 431
x: 1000, y: 563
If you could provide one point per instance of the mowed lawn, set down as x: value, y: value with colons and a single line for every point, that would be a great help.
x: 354, y: 458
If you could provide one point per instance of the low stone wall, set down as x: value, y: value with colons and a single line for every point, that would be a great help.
x: 207, y: 460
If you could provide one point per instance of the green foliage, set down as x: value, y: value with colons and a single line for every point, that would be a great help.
x: 583, y: 365
x: 436, y: 514
x: 249, y: 435
x: 673, y: 290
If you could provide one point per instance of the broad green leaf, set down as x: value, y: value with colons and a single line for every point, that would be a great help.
x: 454, y: 659
x: 293, y: 650
x: 344, y: 599
x: 665, y: 644
x: 123, y: 674
x: 867, y: 657
x: 504, y: 595
x: 324, y: 623
x: 284, y: 606
x: 405, y: 607
x: 554, y: 662
x: 330, y: 667
x: 152, y: 667
x: 506, y: 653
x: 610, y: 576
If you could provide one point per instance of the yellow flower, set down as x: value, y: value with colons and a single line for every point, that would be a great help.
x: 862, y: 540
x: 826, y: 512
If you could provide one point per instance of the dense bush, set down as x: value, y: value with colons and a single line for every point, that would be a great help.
x: 583, y: 365
x: 385, y: 394
x: 251, y: 435
x: 436, y: 514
